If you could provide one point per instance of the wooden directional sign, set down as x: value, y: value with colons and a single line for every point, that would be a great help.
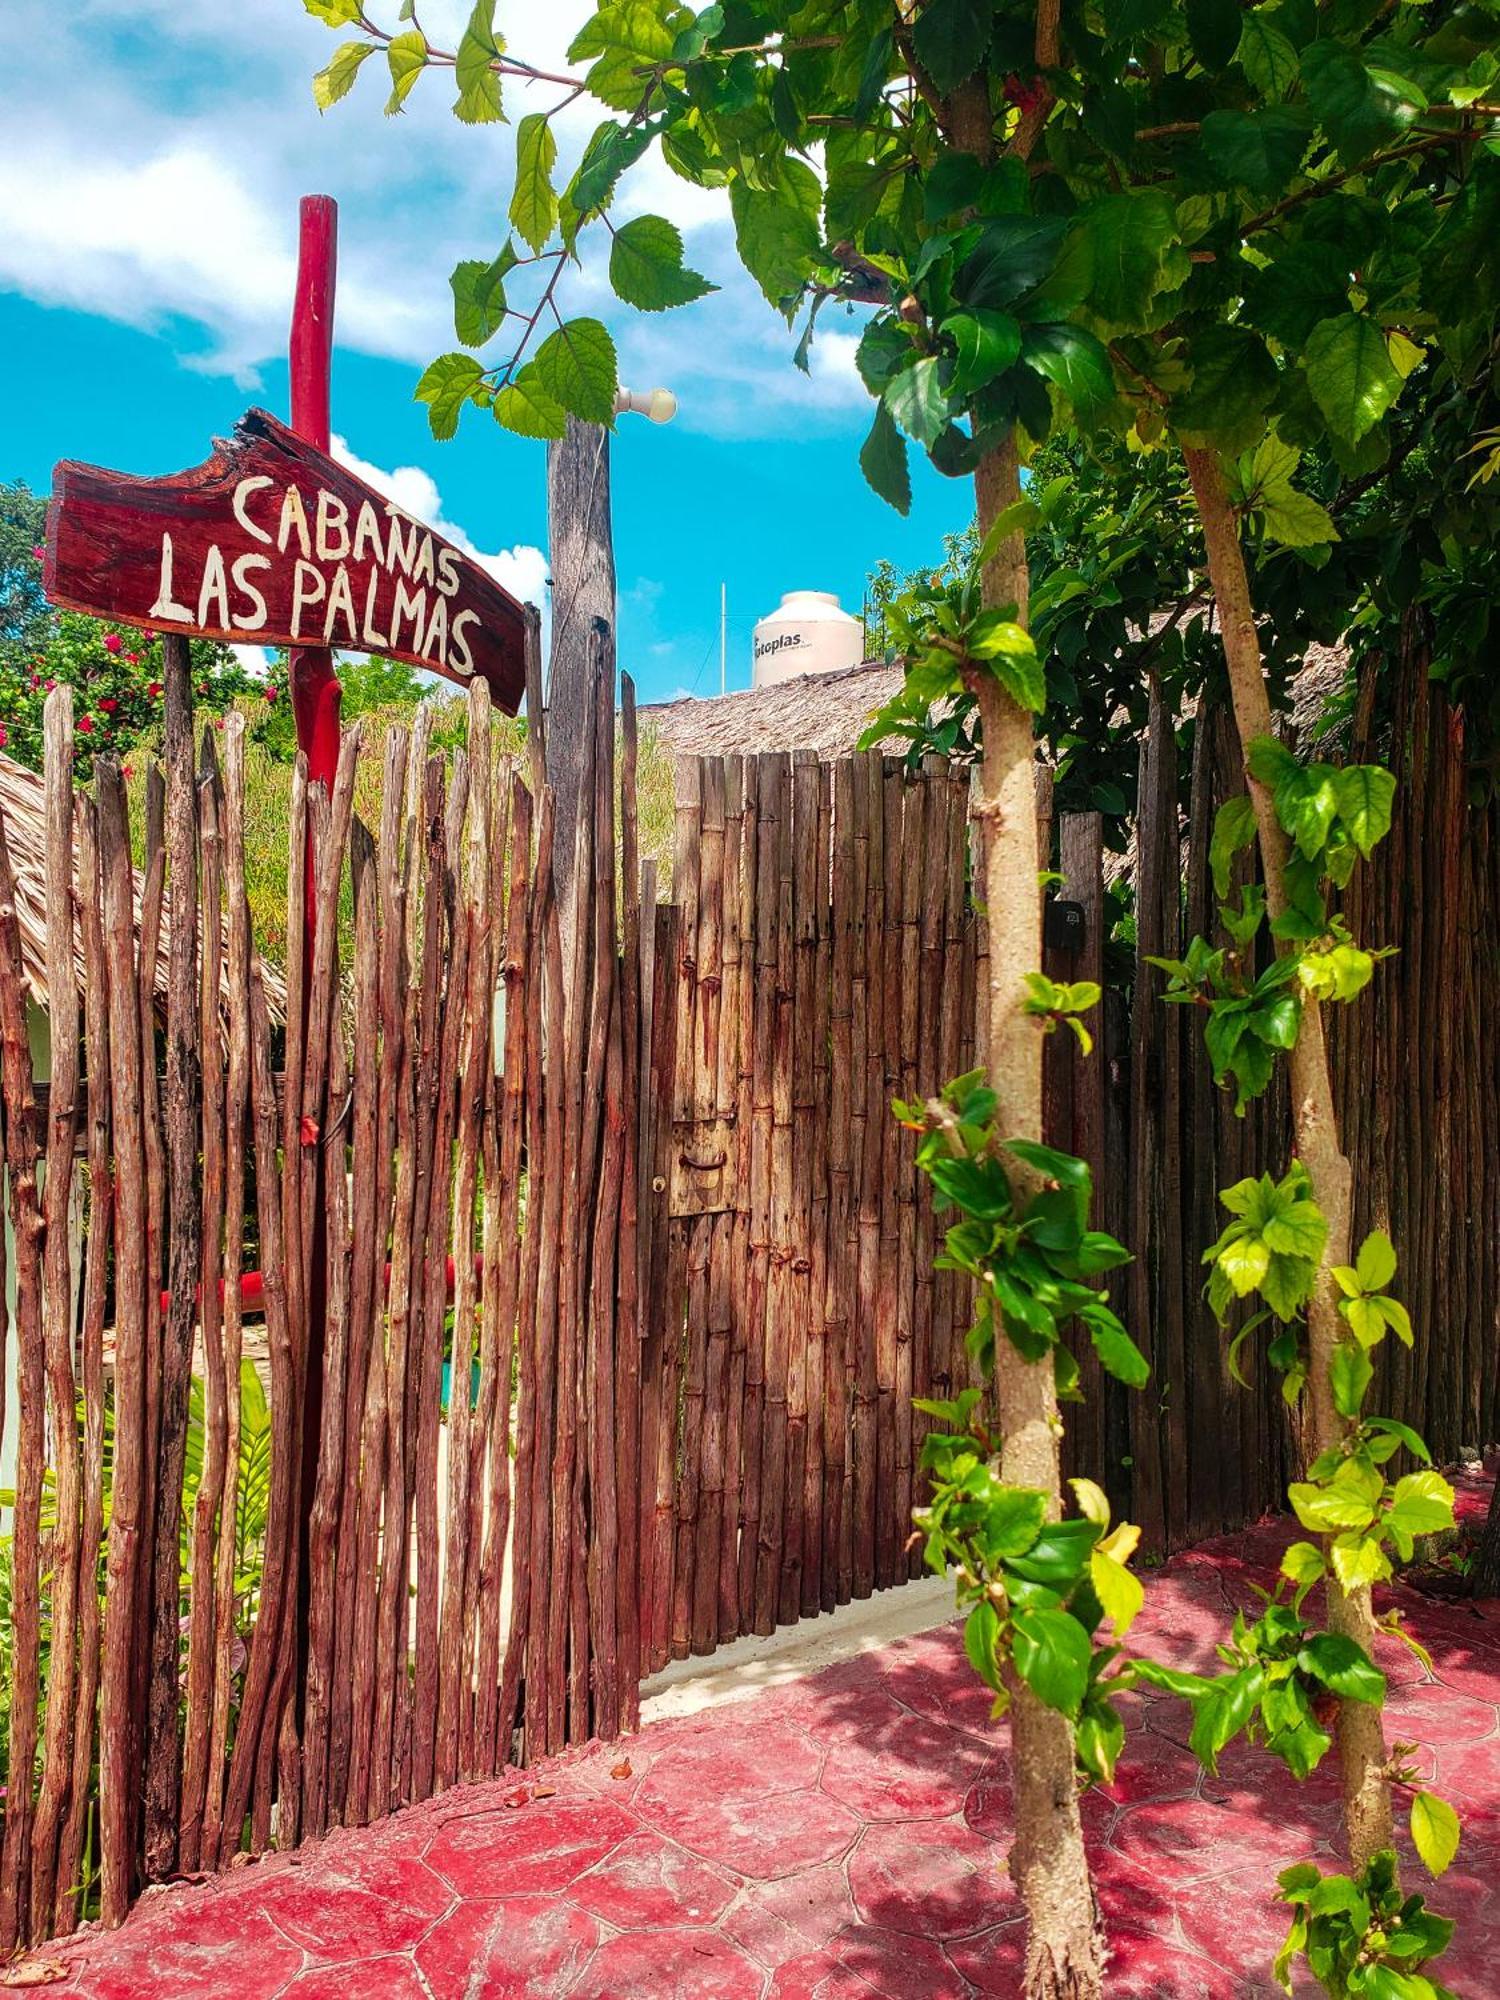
x: 273, y: 543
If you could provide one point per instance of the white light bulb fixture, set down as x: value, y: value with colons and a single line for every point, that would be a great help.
x: 660, y: 405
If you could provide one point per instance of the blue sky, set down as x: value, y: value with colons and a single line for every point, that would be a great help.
x: 154, y: 154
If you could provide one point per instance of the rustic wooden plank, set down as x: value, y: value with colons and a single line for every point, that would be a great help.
x: 453, y: 932
x: 1080, y: 847
x: 380, y: 1555
x: 322, y: 1342
x: 23, y: 1152
x: 567, y: 1626
x: 503, y: 1282
x: 662, y: 1327
x: 883, y: 1133
x: 913, y: 879
x: 152, y: 893
x: 278, y: 1189
x: 116, y: 1793
x: 168, y: 553
x: 605, y: 1160
x: 314, y: 1693
x: 69, y: 1894
x: 1156, y: 828
x: 181, y: 1113
x: 774, y: 970
x: 816, y: 1589
x: 541, y: 1730
x: 838, y: 1308
x: 708, y: 1346
x: 363, y: 1442
x: 57, y: 1307
x: 709, y: 1317
x: 525, y: 1650
x: 927, y: 1080
x: 753, y: 1118
x: 198, y: 1700
x: 473, y: 1086
x: 633, y: 1053
x: 869, y: 1115
x: 222, y: 1262
x: 732, y: 1114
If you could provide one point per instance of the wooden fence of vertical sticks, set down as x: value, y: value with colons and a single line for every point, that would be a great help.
x: 626, y: 1277
x: 443, y: 1163
x: 1416, y: 1059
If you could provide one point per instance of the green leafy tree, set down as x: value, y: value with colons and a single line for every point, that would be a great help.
x: 1227, y: 236
x: 23, y: 526
x: 115, y: 671
x: 117, y: 677
x: 368, y: 686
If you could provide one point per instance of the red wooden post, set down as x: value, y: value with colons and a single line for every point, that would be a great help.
x: 315, y: 704
x: 315, y: 688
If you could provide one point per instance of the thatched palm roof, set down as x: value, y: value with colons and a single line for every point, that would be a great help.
x: 828, y: 713
x: 822, y: 712
x: 23, y: 805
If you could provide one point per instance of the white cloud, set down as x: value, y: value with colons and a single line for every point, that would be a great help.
x: 155, y: 150
x: 522, y: 570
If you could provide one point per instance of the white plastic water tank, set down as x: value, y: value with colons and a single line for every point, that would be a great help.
x: 808, y: 633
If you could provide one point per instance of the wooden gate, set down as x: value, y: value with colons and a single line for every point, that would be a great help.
x: 824, y: 955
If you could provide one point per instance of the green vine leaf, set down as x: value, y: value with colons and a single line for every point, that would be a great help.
x: 646, y: 267
x: 527, y: 406
x: 445, y: 386
x: 407, y: 56
x: 1434, y: 1831
x: 1350, y: 373
x: 576, y: 366
x: 336, y: 78
x: 951, y: 38
x: 1052, y: 1654
x: 882, y: 459
x: 478, y: 101
x: 533, y: 201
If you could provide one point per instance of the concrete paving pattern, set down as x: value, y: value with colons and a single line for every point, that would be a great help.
x: 837, y: 1838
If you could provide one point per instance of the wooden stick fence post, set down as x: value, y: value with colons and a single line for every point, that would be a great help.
x: 57, y: 1287
x: 22, y: 1155
x: 117, y: 1694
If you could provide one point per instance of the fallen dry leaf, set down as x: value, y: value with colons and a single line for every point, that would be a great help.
x: 545, y: 1792
x: 34, y: 1972
x: 622, y: 1769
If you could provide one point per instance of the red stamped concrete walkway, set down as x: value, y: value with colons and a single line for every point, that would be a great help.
x: 841, y: 1838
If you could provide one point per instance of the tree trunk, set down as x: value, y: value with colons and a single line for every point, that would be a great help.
x: 1361, y: 1728
x: 581, y: 555
x: 1065, y: 1948
x: 1047, y: 1861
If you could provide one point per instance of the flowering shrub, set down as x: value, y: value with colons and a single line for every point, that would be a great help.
x: 116, y: 675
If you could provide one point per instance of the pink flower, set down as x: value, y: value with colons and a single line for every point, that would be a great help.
x: 113, y: 643
x: 270, y: 694
x: 49, y: 685
x: 129, y: 771
x: 4, y: 736
x: 36, y: 680
x: 133, y: 658
x: 86, y: 724
x: 154, y: 691
x: 218, y: 722
x: 108, y: 705
x: 39, y: 551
